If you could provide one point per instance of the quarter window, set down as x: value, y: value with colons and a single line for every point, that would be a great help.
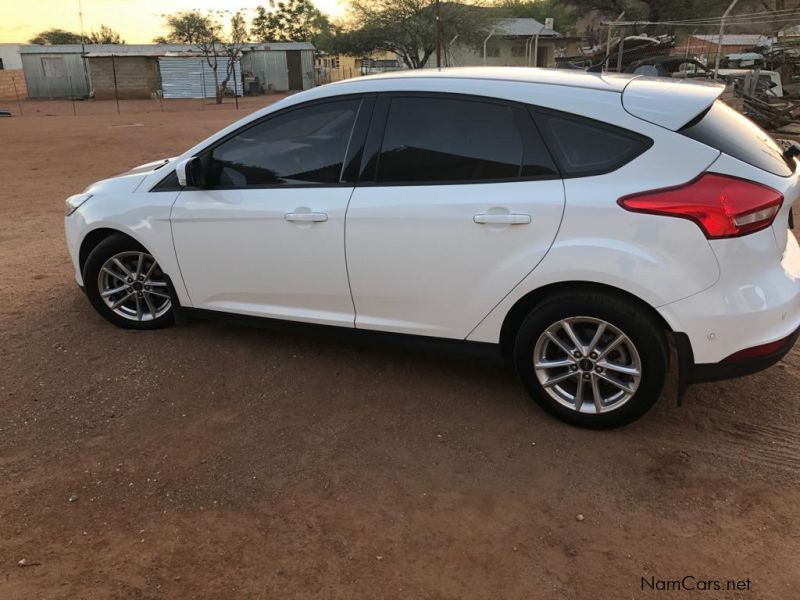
x: 429, y: 140
x: 301, y: 147
x: 583, y: 147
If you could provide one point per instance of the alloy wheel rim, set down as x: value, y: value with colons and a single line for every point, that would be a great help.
x: 134, y: 287
x: 587, y: 365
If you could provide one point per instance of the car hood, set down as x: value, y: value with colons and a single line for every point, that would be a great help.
x: 128, y: 181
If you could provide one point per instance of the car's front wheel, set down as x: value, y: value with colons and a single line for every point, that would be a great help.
x: 592, y: 359
x: 126, y: 285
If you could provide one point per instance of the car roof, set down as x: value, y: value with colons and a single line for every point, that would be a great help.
x: 612, y: 82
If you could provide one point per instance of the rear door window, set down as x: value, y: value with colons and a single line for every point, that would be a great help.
x: 431, y: 139
x: 584, y: 147
x: 729, y: 131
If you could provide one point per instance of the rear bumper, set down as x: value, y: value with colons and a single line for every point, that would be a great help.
x: 730, y: 369
x: 756, y: 301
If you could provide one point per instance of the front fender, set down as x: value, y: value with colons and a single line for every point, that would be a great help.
x: 145, y: 217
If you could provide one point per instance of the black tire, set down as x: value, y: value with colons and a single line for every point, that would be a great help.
x: 109, y: 247
x: 643, y: 330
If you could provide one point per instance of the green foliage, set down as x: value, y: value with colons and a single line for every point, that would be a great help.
x: 289, y: 21
x: 191, y: 27
x: 408, y: 28
x: 104, y: 35
x: 56, y: 36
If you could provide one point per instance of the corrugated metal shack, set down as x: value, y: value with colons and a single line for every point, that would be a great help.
x: 280, y: 66
x: 192, y: 77
x: 150, y: 70
x: 55, y: 71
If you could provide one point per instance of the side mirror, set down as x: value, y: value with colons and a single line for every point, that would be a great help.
x: 191, y: 173
x: 181, y: 172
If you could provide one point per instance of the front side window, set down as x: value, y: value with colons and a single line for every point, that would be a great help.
x: 305, y: 146
x: 430, y: 140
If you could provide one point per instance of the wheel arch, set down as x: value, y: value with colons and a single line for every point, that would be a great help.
x: 522, y: 307
x: 92, y: 239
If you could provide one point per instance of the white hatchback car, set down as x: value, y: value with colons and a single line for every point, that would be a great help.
x: 575, y: 220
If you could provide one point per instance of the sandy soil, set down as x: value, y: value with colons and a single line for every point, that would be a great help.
x: 213, y: 461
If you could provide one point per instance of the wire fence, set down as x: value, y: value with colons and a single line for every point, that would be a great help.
x: 125, y: 93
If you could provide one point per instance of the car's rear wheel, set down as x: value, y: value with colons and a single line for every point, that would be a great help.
x: 126, y: 285
x: 591, y: 359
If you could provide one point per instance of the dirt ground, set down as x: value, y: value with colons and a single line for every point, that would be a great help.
x: 215, y: 461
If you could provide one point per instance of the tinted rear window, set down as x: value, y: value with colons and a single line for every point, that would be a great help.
x: 729, y: 131
x: 583, y: 147
x: 443, y: 139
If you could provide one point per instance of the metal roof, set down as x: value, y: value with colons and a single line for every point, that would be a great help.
x: 149, y: 49
x: 109, y: 49
x: 523, y: 27
x: 281, y: 46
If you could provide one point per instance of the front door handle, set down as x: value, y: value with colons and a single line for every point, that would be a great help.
x: 502, y: 219
x: 306, y: 217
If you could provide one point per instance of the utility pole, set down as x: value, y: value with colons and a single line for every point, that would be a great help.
x: 719, y: 41
x: 608, y: 40
x: 438, y: 38
x: 83, y: 48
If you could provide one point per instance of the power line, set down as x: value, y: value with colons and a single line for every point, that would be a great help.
x: 760, y: 17
x: 693, y: 24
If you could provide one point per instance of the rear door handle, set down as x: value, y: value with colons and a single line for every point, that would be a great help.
x: 502, y: 219
x: 306, y: 217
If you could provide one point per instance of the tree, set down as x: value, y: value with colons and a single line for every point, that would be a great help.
x: 189, y: 27
x: 408, y: 28
x: 289, y: 21
x: 232, y: 47
x: 104, y: 35
x: 56, y: 36
x: 205, y: 31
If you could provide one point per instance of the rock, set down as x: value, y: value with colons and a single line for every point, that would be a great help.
x: 579, y: 517
x: 73, y: 498
x: 379, y: 557
x: 27, y: 563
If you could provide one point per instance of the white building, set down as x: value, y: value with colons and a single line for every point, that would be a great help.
x: 9, y: 56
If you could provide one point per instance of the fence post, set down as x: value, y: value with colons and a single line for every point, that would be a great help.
x: 203, y: 79
x: 72, y: 95
x: 620, y: 49
x: 16, y: 93
x: 235, y: 88
x: 114, y: 72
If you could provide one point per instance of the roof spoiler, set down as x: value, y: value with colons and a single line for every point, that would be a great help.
x: 669, y: 103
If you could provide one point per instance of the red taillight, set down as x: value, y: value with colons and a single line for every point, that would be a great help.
x: 722, y: 206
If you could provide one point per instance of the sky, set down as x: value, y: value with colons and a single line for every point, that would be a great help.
x: 138, y: 21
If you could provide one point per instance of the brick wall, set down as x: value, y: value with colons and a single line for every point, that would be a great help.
x: 9, y: 78
x: 137, y: 76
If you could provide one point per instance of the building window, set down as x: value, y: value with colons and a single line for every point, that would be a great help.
x: 518, y: 49
x: 493, y: 51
